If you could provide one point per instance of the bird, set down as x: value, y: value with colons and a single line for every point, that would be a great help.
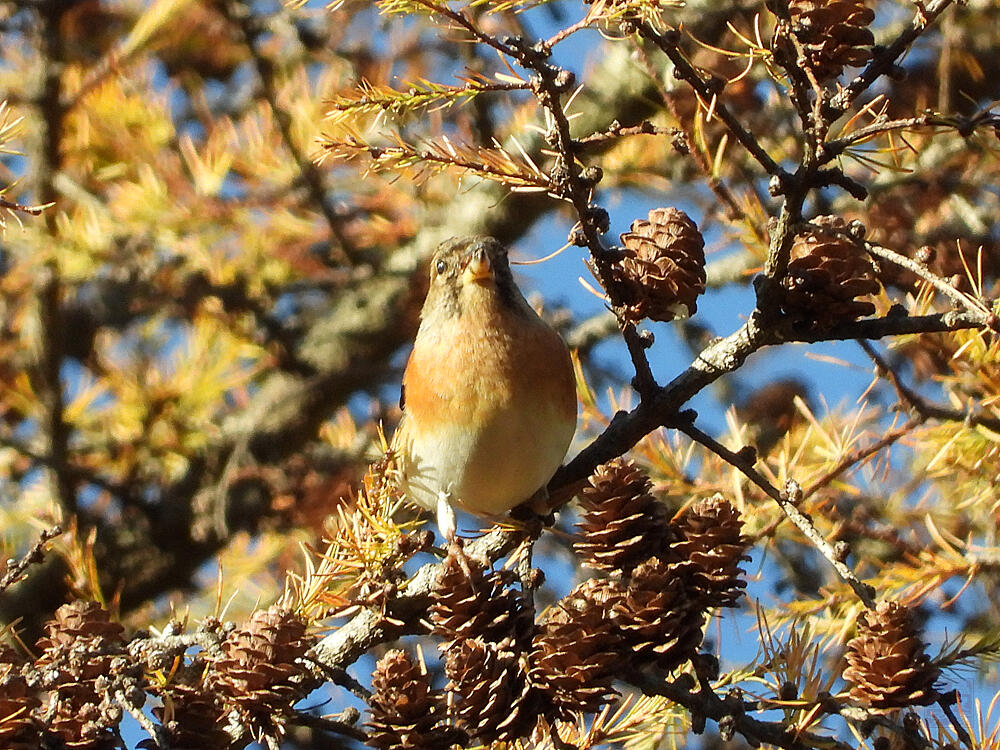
x: 489, y: 392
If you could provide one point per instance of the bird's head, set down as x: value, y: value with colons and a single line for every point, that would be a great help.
x: 469, y: 272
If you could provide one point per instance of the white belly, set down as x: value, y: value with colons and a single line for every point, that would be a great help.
x: 489, y: 471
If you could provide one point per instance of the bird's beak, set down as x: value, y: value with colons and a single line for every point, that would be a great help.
x: 478, y: 268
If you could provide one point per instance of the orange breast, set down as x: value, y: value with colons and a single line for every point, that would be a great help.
x: 490, y: 409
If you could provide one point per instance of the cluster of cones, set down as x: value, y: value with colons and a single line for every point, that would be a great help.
x: 661, y: 272
x: 505, y: 672
x: 74, y: 693
x: 508, y: 676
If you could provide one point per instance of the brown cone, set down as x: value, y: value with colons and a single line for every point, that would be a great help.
x: 404, y: 709
x: 18, y: 728
x: 886, y: 661
x: 82, y: 646
x: 622, y: 523
x: 192, y: 718
x: 833, y: 33
x: 574, y: 656
x: 827, y: 272
x: 711, y: 538
x: 657, y: 617
x: 663, y: 271
x: 257, y: 675
x: 490, y: 695
x: 468, y: 603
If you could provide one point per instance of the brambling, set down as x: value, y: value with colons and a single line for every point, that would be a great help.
x: 489, y: 394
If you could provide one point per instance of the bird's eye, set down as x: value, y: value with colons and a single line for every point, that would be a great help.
x: 441, y: 266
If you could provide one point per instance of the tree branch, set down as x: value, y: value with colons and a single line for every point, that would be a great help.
x: 16, y: 570
x: 884, y: 61
x: 788, y: 500
x: 708, y: 91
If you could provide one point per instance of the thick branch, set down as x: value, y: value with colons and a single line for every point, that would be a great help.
x: 724, y: 356
x: 706, y: 703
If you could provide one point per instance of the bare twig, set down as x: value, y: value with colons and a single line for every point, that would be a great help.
x: 917, y: 403
x: 568, y: 183
x: 722, y: 192
x: 961, y: 124
x: 788, y: 500
x: 14, y: 207
x: 848, y: 462
x: 16, y: 568
x: 859, y: 456
x: 708, y: 91
x: 156, y: 732
x: 343, y: 724
x: 912, y: 738
x: 616, y: 131
x: 971, y: 304
x: 884, y: 61
x: 705, y: 702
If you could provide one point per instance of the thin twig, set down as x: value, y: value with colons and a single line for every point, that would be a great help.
x: 643, y: 128
x: 705, y: 702
x: 861, y: 455
x: 912, y: 738
x: 16, y: 569
x: 850, y: 461
x: 708, y: 91
x: 564, y: 33
x: 156, y: 732
x: 946, y: 702
x: 917, y: 403
x: 344, y: 724
x: 252, y: 29
x: 971, y: 304
x: 734, y: 211
x: 884, y: 61
x: 549, y: 85
x: 9, y: 205
x: 788, y: 500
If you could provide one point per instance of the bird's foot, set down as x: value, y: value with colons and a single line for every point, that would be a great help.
x: 448, y: 525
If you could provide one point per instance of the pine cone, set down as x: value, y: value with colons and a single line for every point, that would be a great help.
x: 712, y: 539
x: 826, y: 274
x: 490, y: 694
x: 833, y: 33
x: 404, y: 709
x: 663, y: 271
x: 469, y: 604
x: 887, y: 663
x: 18, y: 728
x: 81, y: 649
x: 192, y: 717
x: 574, y: 656
x: 256, y: 675
x: 622, y: 524
x: 657, y: 617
